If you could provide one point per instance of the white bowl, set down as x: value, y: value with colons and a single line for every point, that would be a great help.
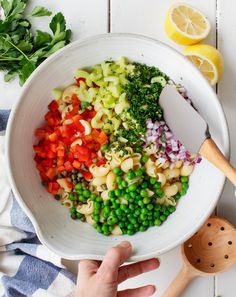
x: 76, y: 240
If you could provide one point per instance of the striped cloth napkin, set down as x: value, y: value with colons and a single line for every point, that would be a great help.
x: 27, y: 268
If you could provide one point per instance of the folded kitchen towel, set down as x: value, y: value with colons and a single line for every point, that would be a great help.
x: 27, y: 268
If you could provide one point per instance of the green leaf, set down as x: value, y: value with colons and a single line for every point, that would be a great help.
x: 6, y: 6
x: 26, y: 70
x: 25, y: 46
x: 41, y: 38
x: 55, y: 48
x: 40, y: 11
x: 10, y: 75
x: 58, y: 23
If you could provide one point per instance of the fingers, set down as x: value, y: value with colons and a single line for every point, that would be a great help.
x: 88, y: 267
x: 112, y: 261
x: 132, y: 270
x: 138, y: 292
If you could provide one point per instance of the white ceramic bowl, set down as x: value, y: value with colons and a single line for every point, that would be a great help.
x: 76, y: 240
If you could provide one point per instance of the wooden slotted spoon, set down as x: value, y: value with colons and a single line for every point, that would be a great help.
x: 210, y: 251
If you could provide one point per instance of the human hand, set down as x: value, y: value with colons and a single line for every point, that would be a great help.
x: 101, y: 279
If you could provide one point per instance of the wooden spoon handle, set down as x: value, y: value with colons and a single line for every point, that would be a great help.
x: 211, y: 152
x: 181, y: 281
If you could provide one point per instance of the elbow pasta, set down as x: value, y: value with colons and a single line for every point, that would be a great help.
x: 86, y: 209
x: 111, y: 181
x: 99, y: 171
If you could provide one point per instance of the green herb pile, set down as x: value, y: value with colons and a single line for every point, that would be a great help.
x: 143, y: 95
x: 21, y: 50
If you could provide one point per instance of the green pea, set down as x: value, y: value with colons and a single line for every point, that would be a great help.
x: 162, y: 218
x: 117, y: 171
x: 140, y: 203
x: 115, y: 205
x: 184, y: 179
x: 119, y: 179
x: 137, y: 212
x: 144, y: 193
x: 131, y: 200
x: 78, y: 186
x: 159, y: 193
x: 131, y: 175
x: 126, y: 196
x: 130, y: 232
x: 130, y: 227
x: 177, y: 196
x: 106, y: 209
x: 71, y: 197
x: 96, y: 218
x: 93, y: 197
x: 152, y: 181
x: 124, y: 231
x: 145, y: 223
x: 104, y: 147
x: 99, y: 199
x: 97, y: 205
x: 157, y: 207
x: 144, y: 158
x: 123, y: 207
x: 138, y: 172
x: 99, y: 228
x: 142, y: 228
x: 105, y: 215
x: 185, y: 186
x: 121, y: 224
x: 133, y: 194
x: 119, y: 212
x: 96, y: 211
x: 131, y: 206
x: 111, y: 194
x: 171, y: 209
x: 124, y: 184
x: 107, y: 202
x: 157, y: 222
x: 79, y: 192
x: 82, y: 199
x: 143, y: 216
x: 151, y: 223
x: 107, y: 233
x: 132, y: 188
x: 157, y: 185
x: 157, y: 214
x: 86, y: 193
x: 182, y: 192
x: 146, y: 200
x: 150, y: 206
x: 72, y: 210
x: 120, y: 187
x: 79, y: 215
x: 118, y: 192
x: 144, y: 185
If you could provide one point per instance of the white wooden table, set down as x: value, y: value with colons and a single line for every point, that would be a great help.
x: 90, y: 17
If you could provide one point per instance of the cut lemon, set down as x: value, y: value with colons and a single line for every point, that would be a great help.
x: 207, y: 59
x: 185, y: 24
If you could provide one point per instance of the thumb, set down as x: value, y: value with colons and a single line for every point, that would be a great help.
x: 112, y: 261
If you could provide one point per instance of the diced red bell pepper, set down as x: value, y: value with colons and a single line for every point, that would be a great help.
x: 51, y: 173
x: 76, y: 164
x: 86, y: 174
x: 79, y: 79
x: 53, y: 188
x: 68, y: 166
x: 53, y: 106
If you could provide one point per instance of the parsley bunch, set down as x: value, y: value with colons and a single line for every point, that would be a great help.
x: 21, y: 50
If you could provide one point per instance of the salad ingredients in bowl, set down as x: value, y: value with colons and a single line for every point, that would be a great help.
x: 106, y: 153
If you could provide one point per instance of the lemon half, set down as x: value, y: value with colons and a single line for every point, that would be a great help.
x: 207, y: 59
x: 185, y: 24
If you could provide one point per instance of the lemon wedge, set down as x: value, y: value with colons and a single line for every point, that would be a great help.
x: 207, y: 59
x: 185, y: 24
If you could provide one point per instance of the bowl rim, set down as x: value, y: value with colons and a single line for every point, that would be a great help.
x: 10, y: 127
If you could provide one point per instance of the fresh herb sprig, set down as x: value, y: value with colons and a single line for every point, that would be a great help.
x: 21, y: 50
x: 143, y: 95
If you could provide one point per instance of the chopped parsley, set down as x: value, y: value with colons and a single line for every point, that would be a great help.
x: 143, y: 95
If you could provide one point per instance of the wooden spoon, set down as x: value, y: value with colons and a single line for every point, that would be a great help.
x: 210, y: 251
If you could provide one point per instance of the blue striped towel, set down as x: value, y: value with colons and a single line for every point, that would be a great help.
x: 27, y: 268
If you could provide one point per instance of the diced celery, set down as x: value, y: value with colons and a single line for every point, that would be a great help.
x: 115, y: 90
x: 57, y: 93
x: 113, y: 79
x: 84, y: 74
